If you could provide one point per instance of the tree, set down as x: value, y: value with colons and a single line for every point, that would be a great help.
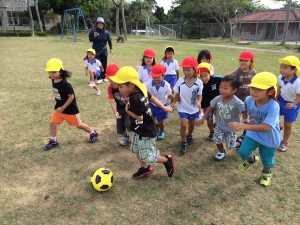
x: 159, y: 14
x: 117, y: 4
x: 38, y: 14
x: 123, y: 19
x: 286, y: 24
x: 31, y: 18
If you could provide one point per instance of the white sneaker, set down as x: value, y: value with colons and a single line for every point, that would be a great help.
x: 92, y: 84
x: 98, y: 93
x: 220, y: 156
x: 99, y: 81
x: 124, y: 141
x: 105, y: 80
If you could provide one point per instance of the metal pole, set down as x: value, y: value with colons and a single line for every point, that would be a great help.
x: 256, y: 32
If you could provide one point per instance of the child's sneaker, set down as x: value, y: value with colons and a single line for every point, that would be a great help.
x: 125, y: 140
x: 282, y: 147
x: 161, y: 135
x: 170, y: 166
x: 98, y: 93
x: 143, y: 172
x: 99, y: 81
x: 189, y: 139
x: 265, y: 179
x: 183, y: 147
x: 246, y: 164
x: 210, y: 136
x: 220, y: 156
x: 105, y: 80
x: 92, y: 84
x: 93, y: 137
x: 51, y: 144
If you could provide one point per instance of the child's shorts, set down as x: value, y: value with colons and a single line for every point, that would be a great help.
x: 158, y: 113
x: 123, y: 123
x: 267, y: 154
x: 221, y: 135
x: 171, y: 79
x: 98, y: 73
x: 183, y: 115
x: 145, y: 148
x: 72, y: 120
x: 209, y: 116
x: 290, y: 115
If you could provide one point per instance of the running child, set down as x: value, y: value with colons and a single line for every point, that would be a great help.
x: 211, y: 86
x: 263, y: 132
x: 288, y: 95
x: 227, y: 108
x: 160, y: 89
x: 245, y: 73
x: 66, y: 106
x: 117, y: 104
x: 147, y: 62
x: 206, y: 56
x: 141, y: 123
x: 172, y: 73
x: 93, y: 68
x: 188, y: 92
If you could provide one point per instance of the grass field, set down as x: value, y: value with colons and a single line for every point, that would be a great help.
x: 39, y: 187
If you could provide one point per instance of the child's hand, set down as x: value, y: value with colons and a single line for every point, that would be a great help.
x: 118, y: 116
x: 168, y: 108
x: 60, y: 109
x: 237, y: 126
x: 289, y: 105
x: 200, y: 122
x: 102, y: 70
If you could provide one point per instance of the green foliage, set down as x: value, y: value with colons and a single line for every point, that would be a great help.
x: 24, y: 34
x: 40, y: 34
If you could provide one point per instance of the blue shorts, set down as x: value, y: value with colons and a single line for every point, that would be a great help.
x: 209, y: 116
x: 158, y: 113
x: 98, y: 72
x: 171, y: 79
x: 267, y: 154
x: 188, y: 116
x: 290, y: 115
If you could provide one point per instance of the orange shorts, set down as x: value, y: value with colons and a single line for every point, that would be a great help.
x: 72, y: 120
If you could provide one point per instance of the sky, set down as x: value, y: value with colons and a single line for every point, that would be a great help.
x: 271, y: 4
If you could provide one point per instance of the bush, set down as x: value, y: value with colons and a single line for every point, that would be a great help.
x: 40, y: 34
x: 8, y: 34
x: 24, y: 34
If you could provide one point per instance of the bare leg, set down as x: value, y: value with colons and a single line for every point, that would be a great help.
x: 191, y: 127
x: 53, y: 129
x: 210, y: 125
x: 92, y: 75
x: 143, y: 163
x: 85, y: 127
x: 220, y: 147
x: 161, y: 125
x: 183, y: 128
x: 287, y: 131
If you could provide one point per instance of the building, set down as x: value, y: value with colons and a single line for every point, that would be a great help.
x: 268, y: 25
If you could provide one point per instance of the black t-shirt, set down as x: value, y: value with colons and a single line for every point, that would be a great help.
x: 139, y: 105
x: 62, y: 90
x: 210, y: 90
x: 119, y: 100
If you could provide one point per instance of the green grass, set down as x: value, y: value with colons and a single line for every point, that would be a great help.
x: 202, y: 190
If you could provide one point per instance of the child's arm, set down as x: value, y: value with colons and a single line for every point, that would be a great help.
x: 134, y: 116
x: 101, y: 68
x: 278, y: 92
x: 199, y: 100
x: 177, y: 73
x: 67, y: 103
x: 294, y: 103
x: 207, y: 112
x: 113, y: 106
x: 171, y: 97
x: 244, y: 117
x: 86, y: 69
x: 160, y: 105
x: 175, y: 99
x: 253, y: 127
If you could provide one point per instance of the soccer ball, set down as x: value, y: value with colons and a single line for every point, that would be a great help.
x: 102, y: 179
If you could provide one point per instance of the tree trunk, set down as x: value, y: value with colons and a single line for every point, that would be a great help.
x: 286, y: 24
x: 118, y: 20
x: 31, y: 18
x: 123, y: 19
x: 38, y: 14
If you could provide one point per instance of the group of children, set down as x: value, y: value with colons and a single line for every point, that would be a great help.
x: 140, y: 100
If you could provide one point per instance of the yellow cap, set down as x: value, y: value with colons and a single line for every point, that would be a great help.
x: 292, y: 61
x: 264, y: 80
x: 54, y: 65
x: 129, y: 74
x: 92, y: 51
x: 204, y: 67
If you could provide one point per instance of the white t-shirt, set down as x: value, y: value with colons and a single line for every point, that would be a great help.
x: 289, y: 90
x: 161, y: 93
x: 188, y: 95
x: 171, y: 66
x: 144, y: 74
x: 95, y: 65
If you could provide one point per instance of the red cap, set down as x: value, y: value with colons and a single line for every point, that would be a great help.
x: 149, y: 52
x: 247, y: 55
x: 157, y: 70
x: 189, y: 62
x: 111, y: 70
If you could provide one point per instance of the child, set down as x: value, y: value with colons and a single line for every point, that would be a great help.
x: 147, y: 62
x: 66, y: 106
x: 227, y: 108
x: 288, y: 95
x: 263, y: 132
x: 93, y: 67
x: 117, y: 103
x: 188, y: 92
x: 160, y: 89
x: 206, y: 56
x: 211, y: 86
x: 172, y: 74
x: 141, y: 123
x: 245, y: 73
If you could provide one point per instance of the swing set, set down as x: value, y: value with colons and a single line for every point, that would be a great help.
x: 71, y: 20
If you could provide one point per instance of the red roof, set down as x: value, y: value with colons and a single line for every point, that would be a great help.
x: 271, y: 15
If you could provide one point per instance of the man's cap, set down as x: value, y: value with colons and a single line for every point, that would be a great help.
x: 100, y: 20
